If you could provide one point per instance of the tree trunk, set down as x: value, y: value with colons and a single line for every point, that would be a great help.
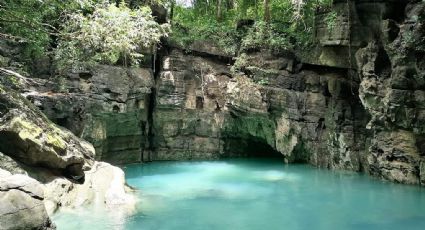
x: 267, y: 11
x: 219, y: 10
x: 173, y: 2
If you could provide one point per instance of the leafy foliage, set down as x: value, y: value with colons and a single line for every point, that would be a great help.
x: 241, y: 62
x: 272, y: 37
x: 108, y: 34
x: 34, y: 22
x: 330, y: 20
x: 189, y: 27
x: 290, y: 24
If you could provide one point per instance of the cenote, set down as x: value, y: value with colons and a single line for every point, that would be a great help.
x: 255, y: 194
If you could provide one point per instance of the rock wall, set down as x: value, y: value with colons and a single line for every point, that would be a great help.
x: 392, y: 67
x: 29, y: 137
x: 106, y: 105
x: 186, y: 115
x: 308, y: 114
x: 353, y: 103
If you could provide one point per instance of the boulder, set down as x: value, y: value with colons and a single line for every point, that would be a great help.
x: 22, y: 206
x: 104, y: 186
x: 29, y: 137
x: 9, y: 164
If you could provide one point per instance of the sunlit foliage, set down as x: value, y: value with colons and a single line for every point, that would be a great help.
x: 109, y: 34
x: 288, y: 25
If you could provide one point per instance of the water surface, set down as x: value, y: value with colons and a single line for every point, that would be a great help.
x: 245, y: 194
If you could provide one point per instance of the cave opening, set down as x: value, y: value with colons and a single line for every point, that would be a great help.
x: 250, y: 147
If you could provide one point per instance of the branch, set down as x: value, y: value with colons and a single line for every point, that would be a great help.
x: 31, y: 25
x: 15, y: 74
x: 12, y: 37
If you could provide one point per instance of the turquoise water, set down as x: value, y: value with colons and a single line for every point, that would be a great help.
x: 256, y: 194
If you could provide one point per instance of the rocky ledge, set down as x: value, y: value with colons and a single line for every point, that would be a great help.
x: 45, y: 167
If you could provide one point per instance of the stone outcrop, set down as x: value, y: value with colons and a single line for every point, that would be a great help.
x: 104, y: 186
x: 22, y: 206
x: 187, y: 118
x: 27, y: 135
x: 34, y: 147
x: 361, y: 113
x: 347, y: 26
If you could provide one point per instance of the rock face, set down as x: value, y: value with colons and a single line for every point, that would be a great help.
x: 105, y: 105
x: 363, y: 112
x: 205, y: 111
x: 392, y: 90
x: 341, y: 30
x: 32, y: 145
x: 187, y: 118
x: 22, y: 206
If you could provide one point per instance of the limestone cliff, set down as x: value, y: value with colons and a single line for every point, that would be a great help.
x: 354, y: 102
x: 392, y: 67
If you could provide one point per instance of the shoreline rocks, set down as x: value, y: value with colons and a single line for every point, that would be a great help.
x: 22, y: 203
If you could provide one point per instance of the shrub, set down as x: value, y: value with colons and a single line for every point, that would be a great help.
x: 108, y: 34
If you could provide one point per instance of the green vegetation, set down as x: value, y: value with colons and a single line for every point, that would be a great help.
x: 35, y: 23
x: 263, y: 82
x: 188, y: 26
x: 272, y: 24
x: 80, y: 30
x: 107, y: 35
x: 330, y: 20
x: 120, y: 32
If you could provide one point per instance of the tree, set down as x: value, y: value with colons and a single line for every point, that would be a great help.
x: 219, y: 13
x: 35, y: 23
x: 108, y: 34
x: 267, y: 15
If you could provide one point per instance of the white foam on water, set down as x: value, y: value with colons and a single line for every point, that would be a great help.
x: 275, y: 175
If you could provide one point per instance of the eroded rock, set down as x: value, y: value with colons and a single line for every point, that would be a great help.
x: 22, y: 206
x: 392, y: 92
x: 104, y: 186
x: 28, y: 136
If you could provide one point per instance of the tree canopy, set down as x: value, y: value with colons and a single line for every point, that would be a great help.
x: 111, y: 31
x: 279, y: 24
x: 80, y: 30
